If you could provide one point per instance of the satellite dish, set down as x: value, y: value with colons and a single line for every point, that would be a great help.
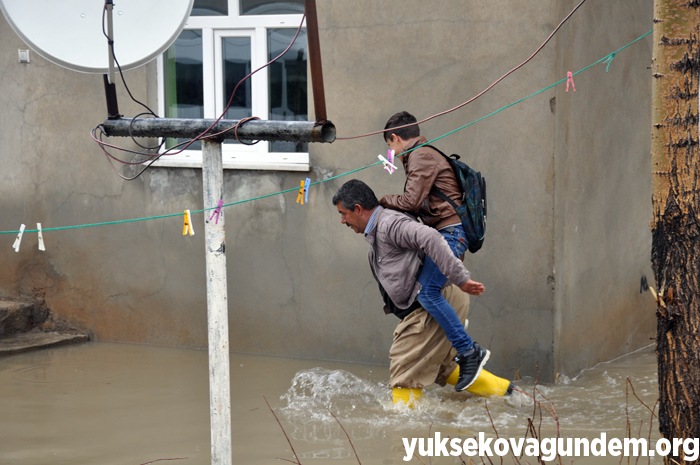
x: 69, y: 32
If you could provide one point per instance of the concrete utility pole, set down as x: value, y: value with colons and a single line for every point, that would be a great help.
x: 676, y: 215
x: 215, y: 238
x: 217, y: 306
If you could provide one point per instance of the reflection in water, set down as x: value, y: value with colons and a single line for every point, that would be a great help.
x: 130, y: 404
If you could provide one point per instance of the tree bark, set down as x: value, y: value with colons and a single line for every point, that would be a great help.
x: 675, y: 225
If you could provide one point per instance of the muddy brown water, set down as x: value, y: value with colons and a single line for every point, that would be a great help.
x: 107, y: 403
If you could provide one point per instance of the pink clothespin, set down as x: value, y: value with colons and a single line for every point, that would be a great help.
x: 217, y: 211
x: 388, y: 165
x: 570, y: 79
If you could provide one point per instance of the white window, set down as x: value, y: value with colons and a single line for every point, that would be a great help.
x: 223, y: 41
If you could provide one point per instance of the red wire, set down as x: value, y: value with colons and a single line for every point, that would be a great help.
x: 480, y: 93
x: 153, y: 157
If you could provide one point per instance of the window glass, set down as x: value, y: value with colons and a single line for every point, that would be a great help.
x: 209, y: 8
x: 287, y: 81
x: 271, y: 7
x: 236, y: 54
x: 184, y: 94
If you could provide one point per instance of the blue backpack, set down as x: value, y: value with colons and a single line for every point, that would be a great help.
x: 472, y: 212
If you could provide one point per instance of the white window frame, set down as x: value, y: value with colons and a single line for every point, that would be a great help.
x: 235, y: 156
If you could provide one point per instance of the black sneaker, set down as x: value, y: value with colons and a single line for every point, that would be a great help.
x: 470, y: 366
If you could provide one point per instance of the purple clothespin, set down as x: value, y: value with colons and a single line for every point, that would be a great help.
x: 217, y: 211
x: 388, y: 165
x: 306, y: 190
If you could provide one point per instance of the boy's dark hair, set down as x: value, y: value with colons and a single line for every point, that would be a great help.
x: 402, y: 118
x: 356, y: 192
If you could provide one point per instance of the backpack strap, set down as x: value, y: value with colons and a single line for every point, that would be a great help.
x: 439, y: 193
x: 434, y: 190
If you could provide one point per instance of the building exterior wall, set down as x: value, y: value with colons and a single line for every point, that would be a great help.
x: 568, y: 177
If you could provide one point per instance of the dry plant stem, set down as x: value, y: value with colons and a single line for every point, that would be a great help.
x: 430, y: 459
x: 552, y: 412
x: 640, y: 400
x: 628, y: 425
x: 486, y: 406
x: 347, y: 436
x: 537, y: 402
x: 285, y: 434
x: 651, y: 424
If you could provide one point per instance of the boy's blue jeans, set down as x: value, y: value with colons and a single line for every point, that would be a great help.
x: 430, y: 297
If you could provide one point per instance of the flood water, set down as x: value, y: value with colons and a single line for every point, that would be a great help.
x: 107, y: 403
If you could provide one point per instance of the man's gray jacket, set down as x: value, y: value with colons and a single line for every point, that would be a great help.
x: 401, y: 245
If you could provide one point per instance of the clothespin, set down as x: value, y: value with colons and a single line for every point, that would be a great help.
x: 570, y: 80
x: 389, y: 166
x: 217, y: 212
x: 41, y: 238
x: 19, y: 238
x: 187, y: 227
x: 300, y: 196
x: 306, y: 190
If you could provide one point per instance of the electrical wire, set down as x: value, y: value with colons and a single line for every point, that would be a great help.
x: 153, y: 157
x: 480, y: 93
x: 605, y: 59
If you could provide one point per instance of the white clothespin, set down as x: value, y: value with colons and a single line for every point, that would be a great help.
x: 389, y: 166
x: 19, y: 238
x: 41, y: 238
x: 187, y: 226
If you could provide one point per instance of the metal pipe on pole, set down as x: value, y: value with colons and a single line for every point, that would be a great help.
x: 251, y: 130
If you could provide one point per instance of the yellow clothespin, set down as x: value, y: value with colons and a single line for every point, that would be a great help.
x: 41, y: 238
x: 300, y: 197
x: 187, y: 227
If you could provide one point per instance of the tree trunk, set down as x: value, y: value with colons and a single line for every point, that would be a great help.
x: 675, y: 225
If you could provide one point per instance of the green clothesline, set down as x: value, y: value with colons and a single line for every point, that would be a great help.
x: 607, y: 58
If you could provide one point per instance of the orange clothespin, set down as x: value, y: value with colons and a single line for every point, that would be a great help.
x: 300, y: 197
x: 570, y: 80
x: 187, y: 226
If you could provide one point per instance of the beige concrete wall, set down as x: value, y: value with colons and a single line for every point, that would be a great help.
x: 602, y: 197
x: 299, y: 282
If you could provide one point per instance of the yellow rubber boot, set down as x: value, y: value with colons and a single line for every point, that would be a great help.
x: 406, y: 395
x: 486, y: 384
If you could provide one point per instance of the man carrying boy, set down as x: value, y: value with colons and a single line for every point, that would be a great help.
x: 412, y: 261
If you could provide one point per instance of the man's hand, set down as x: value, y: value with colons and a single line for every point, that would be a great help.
x: 473, y: 288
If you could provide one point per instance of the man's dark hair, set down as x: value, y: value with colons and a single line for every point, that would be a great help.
x: 356, y: 192
x: 402, y: 118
